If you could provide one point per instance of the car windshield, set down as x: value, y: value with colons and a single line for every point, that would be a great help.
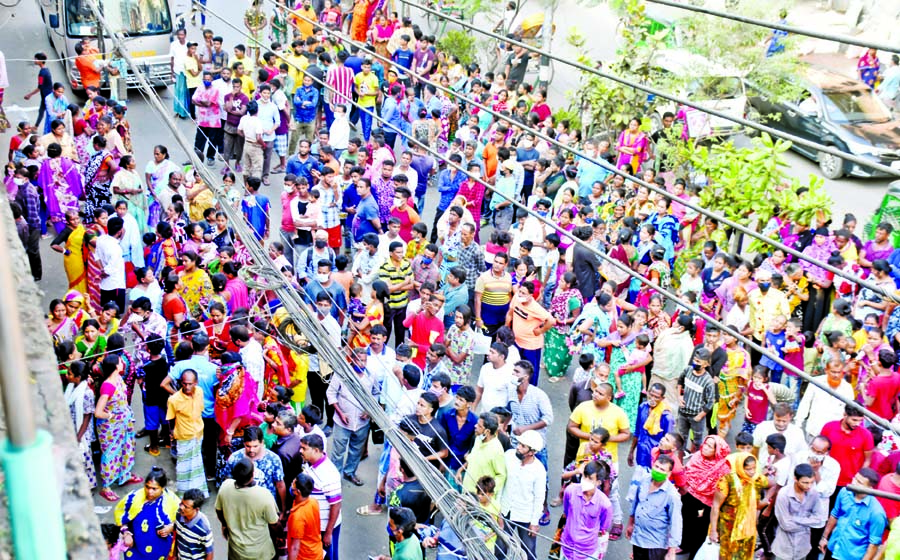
x: 129, y: 17
x: 855, y: 106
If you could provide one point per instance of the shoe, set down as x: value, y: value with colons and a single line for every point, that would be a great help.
x: 277, y: 171
x: 238, y: 168
x: 265, y: 181
x: 353, y: 479
x: 210, y: 162
x: 370, y: 510
x: 151, y: 451
x: 327, y: 431
x: 140, y: 434
x: 555, y: 502
x: 545, y: 519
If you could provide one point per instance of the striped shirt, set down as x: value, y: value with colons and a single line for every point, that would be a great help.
x: 330, y: 207
x: 495, y: 296
x: 326, y: 488
x: 471, y: 258
x: 194, y: 538
x: 699, y: 392
x: 340, y: 78
x: 533, y: 407
x: 396, y: 275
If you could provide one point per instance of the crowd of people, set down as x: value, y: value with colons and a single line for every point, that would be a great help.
x: 729, y: 448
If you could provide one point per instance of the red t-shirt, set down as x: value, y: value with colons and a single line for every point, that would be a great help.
x: 424, y: 331
x: 885, y: 389
x: 848, y: 449
x: 758, y: 404
x: 407, y: 218
x: 891, y: 507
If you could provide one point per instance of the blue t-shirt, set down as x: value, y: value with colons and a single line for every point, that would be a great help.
x: 354, y: 63
x: 366, y: 211
x: 403, y: 58
x: 45, y: 82
x: 256, y: 212
x: 774, y: 342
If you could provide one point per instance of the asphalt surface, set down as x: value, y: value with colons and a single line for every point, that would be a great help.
x: 24, y: 34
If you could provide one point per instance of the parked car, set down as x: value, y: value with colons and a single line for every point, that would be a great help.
x: 837, y: 111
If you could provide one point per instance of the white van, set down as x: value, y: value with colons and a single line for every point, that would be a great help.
x: 707, y: 84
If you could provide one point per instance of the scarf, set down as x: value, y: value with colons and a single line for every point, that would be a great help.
x: 652, y: 424
x: 702, y: 474
x: 745, y: 487
x: 75, y: 395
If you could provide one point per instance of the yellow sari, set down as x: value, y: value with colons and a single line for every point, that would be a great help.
x: 73, y: 262
x: 196, y: 291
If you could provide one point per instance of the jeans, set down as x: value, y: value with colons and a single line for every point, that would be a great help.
x: 287, y: 239
x: 351, y: 443
x: 331, y: 551
x: 365, y: 119
x: 519, y: 529
x: 390, y: 139
x: 33, y: 250
x: 208, y: 139
x: 686, y: 424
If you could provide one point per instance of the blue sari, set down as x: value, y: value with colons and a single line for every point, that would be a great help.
x: 144, y: 519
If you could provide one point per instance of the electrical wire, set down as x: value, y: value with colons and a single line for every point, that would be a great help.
x: 447, y: 499
x: 778, y: 25
x: 667, y: 95
x: 606, y: 165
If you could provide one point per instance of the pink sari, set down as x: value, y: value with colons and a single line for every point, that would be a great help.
x: 638, y: 143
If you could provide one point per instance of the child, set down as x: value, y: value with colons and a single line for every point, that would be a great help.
x: 255, y: 208
x: 743, y: 442
x: 356, y: 308
x: 537, y: 193
x: 232, y: 192
x: 485, y: 488
x: 759, y: 397
x: 690, y: 281
x: 309, y: 420
x: 698, y: 390
x: 276, y: 253
x: 156, y: 369
x: 417, y: 244
x: 118, y: 540
x: 794, y: 342
x: 341, y: 275
x: 678, y: 209
x: 585, y: 369
x: 775, y: 341
x: 339, y: 131
x: 550, y: 267
x: 268, y: 430
x: 635, y: 361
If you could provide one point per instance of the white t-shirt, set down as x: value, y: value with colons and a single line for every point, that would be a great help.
x: 793, y: 435
x: 178, y: 52
x: 252, y: 128
x: 495, y: 385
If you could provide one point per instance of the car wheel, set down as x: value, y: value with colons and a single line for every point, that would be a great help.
x: 831, y: 166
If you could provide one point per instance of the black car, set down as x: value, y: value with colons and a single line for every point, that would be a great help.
x: 837, y: 111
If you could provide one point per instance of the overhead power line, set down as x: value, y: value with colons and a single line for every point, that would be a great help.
x: 613, y: 169
x: 748, y: 343
x: 780, y: 26
x: 667, y: 95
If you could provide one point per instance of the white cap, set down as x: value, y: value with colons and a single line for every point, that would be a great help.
x: 532, y: 439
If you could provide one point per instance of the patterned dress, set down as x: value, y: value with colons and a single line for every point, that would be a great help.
x: 116, y: 435
x: 732, y: 508
x: 459, y: 341
x: 86, y: 407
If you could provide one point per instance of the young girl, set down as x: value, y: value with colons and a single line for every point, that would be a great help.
x: 759, y: 397
x: 691, y: 281
x: 794, y: 343
x: 356, y: 308
x: 635, y: 361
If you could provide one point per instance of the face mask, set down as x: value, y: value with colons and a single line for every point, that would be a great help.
x: 207, y: 83
x: 764, y: 286
x: 697, y: 367
x: 321, y: 243
x: 542, y: 213
x: 427, y: 260
x: 658, y: 476
x: 322, y: 278
x: 527, y: 144
x: 20, y: 182
x: 514, y: 383
x: 435, y: 392
x: 358, y: 368
x: 325, y: 311
x: 523, y: 299
x: 589, y: 221
x: 520, y: 456
x: 587, y: 485
x: 398, y: 202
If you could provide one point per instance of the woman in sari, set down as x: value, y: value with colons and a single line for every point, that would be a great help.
x: 666, y: 226
x: 380, y: 34
x: 127, y: 185
x: 236, y: 293
x: 657, y: 273
x: 374, y: 316
x: 732, y: 520
x: 237, y: 402
x: 867, y: 67
x: 196, y: 287
x: 632, y: 147
x: 733, y: 379
x: 164, y: 252
x: 107, y: 319
x: 657, y: 318
x: 90, y: 344
x: 820, y: 280
x: 878, y: 248
x: 712, y: 277
x: 59, y: 135
x: 218, y: 330
x: 115, y: 429
x: 742, y: 278
x: 60, y: 182
x: 157, y: 176
x: 276, y: 372
x: 114, y: 143
x: 628, y: 386
x: 74, y: 302
x: 148, y: 514
x: 122, y: 127
x: 81, y: 134
x: 70, y: 242
x: 94, y: 271
x: 701, y: 473
x: 98, y: 175
x: 359, y: 25
x: 709, y: 232
x: 80, y: 400
x: 60, y: 325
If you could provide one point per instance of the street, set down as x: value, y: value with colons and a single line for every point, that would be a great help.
x: 24, y: 35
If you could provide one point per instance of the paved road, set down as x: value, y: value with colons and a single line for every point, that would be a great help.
x: 24, y: 34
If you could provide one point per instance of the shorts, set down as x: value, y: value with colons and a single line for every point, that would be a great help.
x: 334, y: 237
x: 153, y: 417
x: 281, y: 145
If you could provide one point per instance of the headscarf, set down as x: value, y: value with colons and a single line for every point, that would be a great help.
x: 745, y: 487
x: 702, y: 474
x: 73, y: 295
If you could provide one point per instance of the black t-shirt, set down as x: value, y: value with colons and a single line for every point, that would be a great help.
x: 45, y: 82
x: 585, y: 266
x: 517, y: 66
x: 430, y: 439
x: 411, y: 495
x: 155, y: 371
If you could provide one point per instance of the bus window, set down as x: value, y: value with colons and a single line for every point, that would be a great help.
x: 129, y: 17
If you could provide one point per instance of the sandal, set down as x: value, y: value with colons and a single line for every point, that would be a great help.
x: 616, y: 532
x: 545, y: 519
x: 555, y: 502
x: 151, y: 451
x: 367, y: 510
x: 135, y: 479
x: 109, y: 495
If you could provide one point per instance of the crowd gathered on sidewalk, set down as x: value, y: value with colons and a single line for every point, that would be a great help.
x: 526, y: 280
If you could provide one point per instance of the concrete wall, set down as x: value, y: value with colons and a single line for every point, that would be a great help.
x: 83, y: 538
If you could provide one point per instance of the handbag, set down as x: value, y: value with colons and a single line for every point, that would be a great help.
x: 708, y: 551
x: 612, y: 272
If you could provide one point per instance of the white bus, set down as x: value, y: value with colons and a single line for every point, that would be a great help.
x: 145, y: 24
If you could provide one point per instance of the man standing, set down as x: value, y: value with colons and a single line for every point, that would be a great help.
x: 471, y: 259
x: 209, y: 121
x: 588, y: 513
x: 267, y: 470
x: 193, y: 534
x: 251, y: 355
x: 817, y: 408
x: 655, y: 524
x: 425, y: 328
x: 235, y: 105
x: 304, y: 538
x: 648, y: 433
x: 856, y: 524
x: 825, y: 475
x: 797, y: 509
x: 851, y: 444
x: 366, y: 220
x: 287, y: 444
x: 251, y: 128
x: 529, y: 321
x: 108, y: 253
x: 397, y: 274
x: 269, y: 119
x: 780, y: 424
x: 29, y: 199
x: 351, y: 423
x: 184, y: 412
x: 339, y: 80
x: 600, y: 411
x: 525, y: 490
x: 326, y: 491
x: 366, y: 88
x: 247, y: 513
x: 44, y: 86
x: 493, y: 293
x: 493, y: 380
x: 765, y: 304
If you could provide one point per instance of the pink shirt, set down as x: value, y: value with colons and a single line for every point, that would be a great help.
x: 211, y: 116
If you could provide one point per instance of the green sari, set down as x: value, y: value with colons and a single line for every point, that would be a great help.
x: 556, y: 350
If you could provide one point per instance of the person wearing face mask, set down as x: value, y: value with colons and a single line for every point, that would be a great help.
x: 825, y: 475
x: 351, y: 423
x: 655, y: 524
x: 588, y: 513
x: 697, y: 392
x: 322, y: 283
x: 766, y: 303
x: 307, y: 262
x: 524, y: 491
x: 208, y: 102
x: 529, y: 321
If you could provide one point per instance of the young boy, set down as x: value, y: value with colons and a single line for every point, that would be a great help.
x: 775, y: 341
x: 256, y: 209
x: 698, y: 392
x: 156, y: 369
x: 419, y: 241
x: 339, y: 132
x: 743, y: 442
x: 551, y: 264
x: 671, y: 445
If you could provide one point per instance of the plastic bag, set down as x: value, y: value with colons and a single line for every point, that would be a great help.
x: 482, y: 343
x: 709, y: 551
